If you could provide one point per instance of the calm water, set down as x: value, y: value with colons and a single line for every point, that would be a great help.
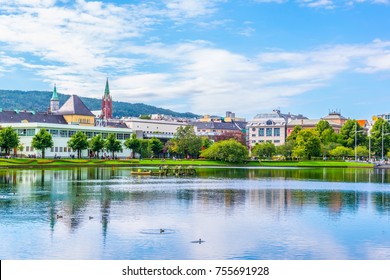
x: 239, y: 213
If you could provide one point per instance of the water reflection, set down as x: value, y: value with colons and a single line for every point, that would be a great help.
x: 105, y: 213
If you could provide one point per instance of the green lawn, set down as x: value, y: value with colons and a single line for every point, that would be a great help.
x: 149, y: 162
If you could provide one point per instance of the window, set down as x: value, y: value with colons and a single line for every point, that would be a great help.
x: 276, y: 131
x: 276, y: 141
x: 22, y: 132
x: 30, y: 132
x: 63, y: 133
x: 104, y: 135
x: 61, y: 149
x: 269, y: 122
x: 56, y: 149
x: 126, y: 136
x: 253, y: 129
x: 261, y: 131
x: 89, y: 134
x: 71, y: 132
x: 65, y: 149
x: 269, y: 131
x: 54, y: 132
x: 27, y: 148
x: 253, y: 135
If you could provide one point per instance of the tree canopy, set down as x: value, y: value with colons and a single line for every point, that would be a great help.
x: 9, y: 139
x: 185, y: 142
x: 42, y: 140
x: 78, y: 142
x: 96, y: 144
x: 308, y: 144
x: 226, y: 150
x: 112, y: 144
x: 133, y: 144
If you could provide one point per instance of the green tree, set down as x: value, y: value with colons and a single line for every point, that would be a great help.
x: 325, y: 132
x: 380, y: 127
x: 42, y: 140
x: 347, y: 134
x: 155, y: 146
x: 362, y: 151
x: 78, y: 142
x: 96, y: 144
x: 286, y: 149
x: 112, y: 144
x: 186, y: 142
x: 307, y: 144
x: 294, y: 134
x: 133, y: 144
x: 326, y: 148
x: 145, y: 149
x: 9, y: 139
x: 264, y: 150
x: 341, y: 151
x: 206, y: 142
x: 227, y: 150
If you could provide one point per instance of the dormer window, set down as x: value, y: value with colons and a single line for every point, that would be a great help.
x: 269, y: 122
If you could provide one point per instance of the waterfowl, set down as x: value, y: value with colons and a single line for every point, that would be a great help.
x: 59, y: 216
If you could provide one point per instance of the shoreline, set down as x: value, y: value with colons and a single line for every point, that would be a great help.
x: 63, y: 163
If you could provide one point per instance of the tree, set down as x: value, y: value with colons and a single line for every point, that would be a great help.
x: 308, y: 144
x: 42, y: 140
x: 133, y: 144
x: 341, y: 151
x: 112, y: 144
x: 237, y: 135
x: 206, y: 143
x: 293, y: 135
x: 155, y: 146
x: 285, y: 150
x: 347, y: 134
x: 379, y: 127
x: 362, y: 151
x: 78, y: 142
x: 264, y: 150
x: 325, y: 132
x: 186, y: 142
x: 145, y: 149
x: 9, y: 139
x: 226, y: 150
x: 96, y: 144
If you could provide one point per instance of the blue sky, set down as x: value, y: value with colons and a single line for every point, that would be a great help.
x: 204, y: 56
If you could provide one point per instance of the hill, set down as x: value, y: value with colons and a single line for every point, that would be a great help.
x: 39, y: 101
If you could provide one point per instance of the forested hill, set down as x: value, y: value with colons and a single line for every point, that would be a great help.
x: 39, y: 101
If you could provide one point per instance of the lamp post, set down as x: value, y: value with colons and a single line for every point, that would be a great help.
x: 356, y: 132
x: 383, y: 136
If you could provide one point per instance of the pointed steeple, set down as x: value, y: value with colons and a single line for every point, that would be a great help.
x: 55, y: 95
x: 107, y: 90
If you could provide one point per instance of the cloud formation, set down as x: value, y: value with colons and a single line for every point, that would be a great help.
x: 76, y: 44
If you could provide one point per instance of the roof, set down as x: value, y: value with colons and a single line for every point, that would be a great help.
x: 216, y: 125
x: 55, y: 95
x: 310, y: 122
x: 74, y: 106
x: 334, y: 116
x: 17, y: 116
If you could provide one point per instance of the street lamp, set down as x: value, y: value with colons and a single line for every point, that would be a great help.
x: 383, y: 136
x: 356, y: 132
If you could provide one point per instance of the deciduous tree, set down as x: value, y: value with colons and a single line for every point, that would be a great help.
x: 78, y: 142
x: 42, y: 140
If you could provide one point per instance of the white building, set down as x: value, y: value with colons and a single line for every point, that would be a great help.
x: 269, y: 127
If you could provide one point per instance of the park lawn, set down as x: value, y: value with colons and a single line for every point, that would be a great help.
x: 313, y: 163
x: 150, y: 162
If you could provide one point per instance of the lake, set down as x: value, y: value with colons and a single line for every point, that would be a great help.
x: 221, y: 213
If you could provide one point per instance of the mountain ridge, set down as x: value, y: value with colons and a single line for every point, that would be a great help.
x: 39, y: 101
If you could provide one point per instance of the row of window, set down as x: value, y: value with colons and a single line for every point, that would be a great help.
x: 90, y: 134
x: 268, y: 141
x: 268, y: 132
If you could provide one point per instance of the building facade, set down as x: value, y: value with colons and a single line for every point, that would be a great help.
x: 268, y: 127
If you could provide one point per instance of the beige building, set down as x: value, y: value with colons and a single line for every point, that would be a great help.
x: 270, y: 127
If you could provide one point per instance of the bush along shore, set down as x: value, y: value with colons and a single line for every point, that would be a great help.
x: 43, y: 163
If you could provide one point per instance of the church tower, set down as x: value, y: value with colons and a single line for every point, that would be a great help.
x: 107, y: 103
x: 54, y: 101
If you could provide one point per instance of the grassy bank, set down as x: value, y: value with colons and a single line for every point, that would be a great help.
x: 21, y: 163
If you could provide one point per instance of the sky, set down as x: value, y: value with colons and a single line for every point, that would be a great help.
x: 204, y: 56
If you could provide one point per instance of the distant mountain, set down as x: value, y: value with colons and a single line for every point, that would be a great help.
x: 39, y: 101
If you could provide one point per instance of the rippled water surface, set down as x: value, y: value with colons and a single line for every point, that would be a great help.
x: 248, y: 213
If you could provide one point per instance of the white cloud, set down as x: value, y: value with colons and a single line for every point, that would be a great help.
x: 77, y: 45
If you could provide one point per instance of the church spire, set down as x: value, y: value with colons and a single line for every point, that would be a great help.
x: 54, y: 101
x: 107, y: 103
x: 107, y: 90
x: 55, y: 95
